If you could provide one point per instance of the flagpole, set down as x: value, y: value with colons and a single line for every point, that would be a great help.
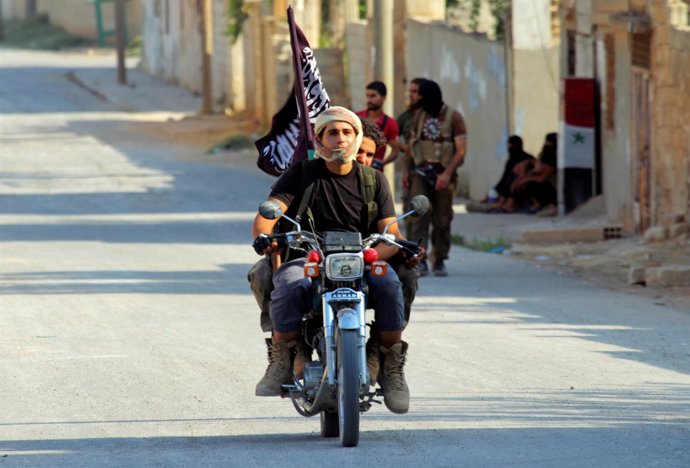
x: 299, y: 81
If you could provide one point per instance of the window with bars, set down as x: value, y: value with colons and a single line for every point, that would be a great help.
x: 642, y: 50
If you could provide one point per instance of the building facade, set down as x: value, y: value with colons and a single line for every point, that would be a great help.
x: 639, y: 54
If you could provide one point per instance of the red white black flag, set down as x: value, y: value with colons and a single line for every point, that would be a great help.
x: 291, y: 137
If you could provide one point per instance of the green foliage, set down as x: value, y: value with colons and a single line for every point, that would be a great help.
x: 134, y: 47
x: 236, y: 17
x: 362, y: 9
x: 474, y: 14
x: 458, y: 239
x: 325, y: 39
x: 500, y: 10
x: 233, y: 143
x: 496, y: 245
x: 39, y: 33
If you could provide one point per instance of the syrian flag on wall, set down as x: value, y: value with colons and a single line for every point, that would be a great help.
x: 578, y: 123
x: 291, y: 136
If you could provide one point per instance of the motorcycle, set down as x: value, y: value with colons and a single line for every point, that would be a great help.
x: 335, y: 385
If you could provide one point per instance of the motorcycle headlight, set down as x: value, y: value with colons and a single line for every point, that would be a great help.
x: 344, y: 266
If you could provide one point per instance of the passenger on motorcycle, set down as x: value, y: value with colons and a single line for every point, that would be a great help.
x: 336, y: 203
x: 404, y: 265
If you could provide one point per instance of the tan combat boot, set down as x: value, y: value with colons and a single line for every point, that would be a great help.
x: 396, y: 394
x: 373, y: 360
x: 301, y: 358
x: 278, y: 371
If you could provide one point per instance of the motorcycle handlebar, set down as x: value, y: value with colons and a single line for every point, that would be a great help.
x: 297, y: 237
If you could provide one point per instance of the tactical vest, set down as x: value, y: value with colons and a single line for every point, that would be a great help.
x: 441, y: 150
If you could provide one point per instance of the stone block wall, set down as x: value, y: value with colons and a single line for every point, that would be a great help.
x: 330, y: 62
x: 671, y: 110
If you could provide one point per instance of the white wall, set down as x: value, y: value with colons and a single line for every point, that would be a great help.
x: 472, y: 74
x: 78, y: 17
x: 531, y: 24
x: 535, y: 73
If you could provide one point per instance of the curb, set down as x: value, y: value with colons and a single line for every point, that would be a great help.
x: 74, y: 78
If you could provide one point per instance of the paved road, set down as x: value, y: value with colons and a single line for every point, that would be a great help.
x: 128, y: 337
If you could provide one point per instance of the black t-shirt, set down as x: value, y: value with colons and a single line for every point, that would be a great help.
x: 336, y: 202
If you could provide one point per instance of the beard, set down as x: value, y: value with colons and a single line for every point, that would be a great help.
x: 373, y: 107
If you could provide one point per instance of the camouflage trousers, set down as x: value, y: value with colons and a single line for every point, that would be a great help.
x: 435, y: 224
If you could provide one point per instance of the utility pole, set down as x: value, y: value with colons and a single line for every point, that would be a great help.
x: 120, y: 28
x: 383, y: 64
x: 206, y: 51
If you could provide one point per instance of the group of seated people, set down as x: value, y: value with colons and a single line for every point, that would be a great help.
x: 528, y: 184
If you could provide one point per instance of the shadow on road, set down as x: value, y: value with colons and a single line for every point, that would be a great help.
x: 227, y: 279
x: 612, y: 446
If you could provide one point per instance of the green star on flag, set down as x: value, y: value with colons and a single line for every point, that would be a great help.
x: 578, y: 138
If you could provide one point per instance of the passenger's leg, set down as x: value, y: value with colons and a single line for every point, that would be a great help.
x: 289, y: 300
x: 260, y: 279
x: 408, y: 277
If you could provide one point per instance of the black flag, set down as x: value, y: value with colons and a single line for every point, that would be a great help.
x: 291, y: 136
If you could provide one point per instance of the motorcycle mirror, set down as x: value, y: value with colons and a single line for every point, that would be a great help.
x: 270, y: 210
x: 420, y: 205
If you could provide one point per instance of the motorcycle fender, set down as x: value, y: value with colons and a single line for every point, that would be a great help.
x: 347, y: 319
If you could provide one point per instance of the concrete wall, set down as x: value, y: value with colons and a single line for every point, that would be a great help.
x: 172, y: 43
x: 531, y: 24
x: 172, y: 49
x: 221, y: 57
x: 617, y: 163
x: 535, y: 71
x: 671, y: 111
x: 330, y: 62
x: 536, y: 86
x: 78, y: 17
x: 472, y: 74
x: 360, y: 69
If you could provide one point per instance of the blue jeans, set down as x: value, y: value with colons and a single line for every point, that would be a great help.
x: 291, y: 298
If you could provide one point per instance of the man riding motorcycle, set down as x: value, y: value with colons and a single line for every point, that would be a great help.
x: 260, y: 275
x: 335, y: 203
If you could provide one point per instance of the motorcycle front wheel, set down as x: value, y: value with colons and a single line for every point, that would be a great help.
x: 348, y: 388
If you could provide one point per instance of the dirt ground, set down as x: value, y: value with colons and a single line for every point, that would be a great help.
x: 200, y: 133
x: 608, y: 264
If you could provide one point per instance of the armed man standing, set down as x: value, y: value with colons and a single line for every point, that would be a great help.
x: 438, y: 142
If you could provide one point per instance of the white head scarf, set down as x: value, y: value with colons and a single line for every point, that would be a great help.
x: 337, y: 114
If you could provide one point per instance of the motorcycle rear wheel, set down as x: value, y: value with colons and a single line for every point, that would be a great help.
x: 348, y: 388
x: 329, y: 424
